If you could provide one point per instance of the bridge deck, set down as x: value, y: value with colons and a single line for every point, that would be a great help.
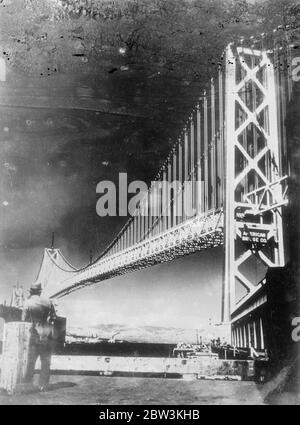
x: 196, y: 234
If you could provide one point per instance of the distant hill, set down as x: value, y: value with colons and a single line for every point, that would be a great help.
x: 149, y: 333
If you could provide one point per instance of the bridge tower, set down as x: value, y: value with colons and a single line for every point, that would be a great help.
x: 255, y: 188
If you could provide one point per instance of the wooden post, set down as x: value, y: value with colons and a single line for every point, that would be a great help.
x: 14, y: 355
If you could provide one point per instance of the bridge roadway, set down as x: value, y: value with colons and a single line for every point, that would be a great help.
x: 198, y: 233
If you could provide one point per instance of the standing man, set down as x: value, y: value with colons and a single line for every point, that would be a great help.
x: 40, y: 312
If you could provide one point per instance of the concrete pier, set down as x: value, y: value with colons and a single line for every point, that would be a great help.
x: 14, y: 359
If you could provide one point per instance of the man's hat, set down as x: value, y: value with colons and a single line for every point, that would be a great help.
x: 36, y: 286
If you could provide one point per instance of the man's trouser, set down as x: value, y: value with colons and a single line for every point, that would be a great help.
x: 39, y: 346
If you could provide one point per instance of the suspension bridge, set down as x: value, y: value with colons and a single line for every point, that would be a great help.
x: 231, y: 167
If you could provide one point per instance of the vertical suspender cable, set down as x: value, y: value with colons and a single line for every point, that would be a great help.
x: 199, y: 159
x: 186, y: 172
x: 192, y: 164
x: 205, y: 153
x: 221, y: 123
x: 175, y: 187
x: 180, y: 176
x: 213, y: 147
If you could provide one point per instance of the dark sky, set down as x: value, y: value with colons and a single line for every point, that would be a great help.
x: 86, y: 96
